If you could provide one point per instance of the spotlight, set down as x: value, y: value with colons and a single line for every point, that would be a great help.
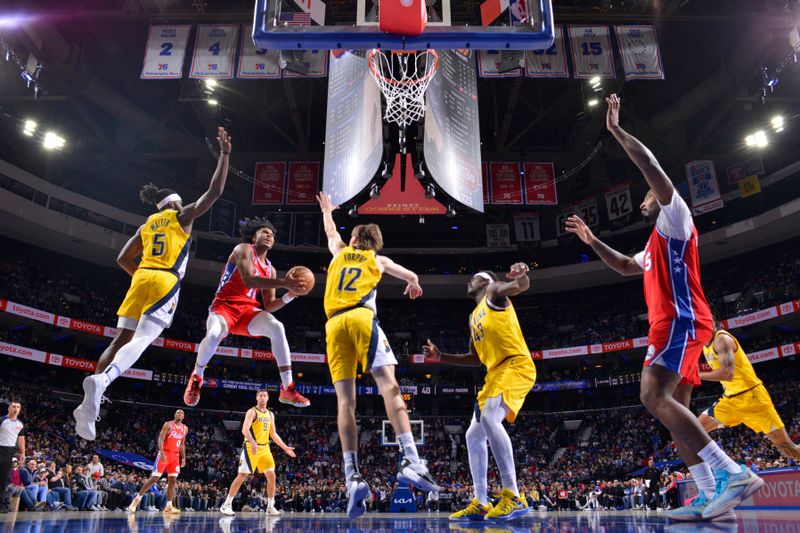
x: 53, y: 141
x: 353, y: 213
x: 213, y: 101
x: 374, y: 191
x: 593, y: 102
x: 757, y: 139
x: 211, y: 84
x: 450, y: 212
x: 29, y: 128
x: 430, y: 191
x: 777, y: 123
x: 595, y: 81
x: 422, y: 219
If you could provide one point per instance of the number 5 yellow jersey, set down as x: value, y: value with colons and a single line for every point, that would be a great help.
x: 353, y: 276
x: 166, y: 245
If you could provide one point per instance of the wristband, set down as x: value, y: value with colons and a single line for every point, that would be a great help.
x: 225, y: 153
x: 286, y: 298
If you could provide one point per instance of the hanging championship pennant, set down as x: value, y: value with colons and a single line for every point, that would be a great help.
x: 490, y: 65
x: 591, y: 51
x: 213, y: 51
x: 316, y: 61
x: 641, y: 56
x: 485, y: 175
x: 703, y: 187
x: 164, y: 53
x: 506, y: 183
x: 270, y: 181
x: 586, y: 209
x: 303, y: 184
x: 526, y: 227
x: 550, y: 63
x: 255, y: 63
x: 540, y: 184
x: 749, y: 186
x: 618, y: 201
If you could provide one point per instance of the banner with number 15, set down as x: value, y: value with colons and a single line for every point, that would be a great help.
x: 163, y: 56
x: 214, y: 49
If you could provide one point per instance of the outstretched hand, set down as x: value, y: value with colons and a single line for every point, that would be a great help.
x: 576, y: 225
x: 325, y: 203
x: 290, y: 451
x: 612, y: 115
x: 224, y: 140
x: 431, y: 352
x: 413, y: 290
x: 517, y: 270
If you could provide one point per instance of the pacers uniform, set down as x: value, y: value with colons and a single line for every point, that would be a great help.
x: 250, y: 463
x: 157, y: 281
x: 170, y: 461
x: 501, y: 347
x: 353, y: 334
x: 679, y: 316
x: 234, y: 301
x: 745, y: 400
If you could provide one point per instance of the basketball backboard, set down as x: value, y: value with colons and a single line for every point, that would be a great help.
x: 313, y: 25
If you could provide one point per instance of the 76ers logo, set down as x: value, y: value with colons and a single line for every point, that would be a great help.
x: 406, y: 3
x: 651, y: 351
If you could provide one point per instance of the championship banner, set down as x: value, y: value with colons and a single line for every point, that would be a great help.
x: 303, y: 183
x: 586, y: 209
x: 317, y: 63
x: 550, y: 63
x: 214, y: 49
x: 506, y: 183
x: 269, y: 184
x: 703, y: 187
x: 540, y: 184
x: 164, y: 52
x: 591, y: 51
x: 735, y: 174
x: 641, y: 56
x: 255, y: 63
x: 618, y: 201
x: 526, y: 227
x: 489, y: 65
x: 485, y: 176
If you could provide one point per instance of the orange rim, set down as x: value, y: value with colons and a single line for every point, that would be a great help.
x: 376, y: 73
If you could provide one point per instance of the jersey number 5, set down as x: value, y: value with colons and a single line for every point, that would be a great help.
x: 347, y: 278
x: 158, y: 245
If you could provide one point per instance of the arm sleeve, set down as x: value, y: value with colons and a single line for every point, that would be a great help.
x: 639, y: 258
x: 675, y: 219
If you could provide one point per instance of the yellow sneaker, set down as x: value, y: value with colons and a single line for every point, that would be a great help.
x: 473, y: 511
x: 510, y: 507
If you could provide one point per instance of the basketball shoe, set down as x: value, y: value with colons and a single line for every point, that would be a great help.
x: 191, y: 396
x: 226, y: 509
x: 731, y: 490
x: 271, y: 511
x: 693, y: 512
x: 87, y: 412
x: 290, y: 396
x: 134, y: 504
x: 357, y: 492
x: 473, y: 511
x: 509, y: 507
x: 416, y: 473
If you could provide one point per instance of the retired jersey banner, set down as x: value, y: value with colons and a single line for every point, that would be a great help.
x: 214, y: 49
x: 591, y: 51
x: 550, y: 63
x: 316, y: 61
x: 269, y: 184
x: 164, y: 53
x: 618, y: 201
x: 303, y: 184
x: 526, y: 227
x: 255, y: 63
x: 703, y: 187
x: 641, y: 56
x: 540, y: 184
x: 497, y: 236
x: 586, y: 209
x: 506, y: 182
x: 489, y: 65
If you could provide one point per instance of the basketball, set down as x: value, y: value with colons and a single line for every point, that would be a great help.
x: 301, y: 272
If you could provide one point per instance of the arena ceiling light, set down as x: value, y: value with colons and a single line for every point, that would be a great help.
x: 757, y: 139
x: 213, y: 101
x: 593, y: 102
x: 777, y: 123
x: 211, y: 83
x: 53, y: 141
x: 29, y: 127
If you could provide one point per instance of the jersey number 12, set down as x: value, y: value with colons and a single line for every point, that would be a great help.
x: 347, y: 278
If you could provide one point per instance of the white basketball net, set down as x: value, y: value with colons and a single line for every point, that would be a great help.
x: 403, y: 78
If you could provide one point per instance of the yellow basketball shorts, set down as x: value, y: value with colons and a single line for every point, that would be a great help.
x: 753, y: 408
x: 153, y: 293
x: 514, y: 379
x: 250, y: 463
x: 355, y: 337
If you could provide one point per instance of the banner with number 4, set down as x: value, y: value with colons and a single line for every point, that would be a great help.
x: 163, y: 56
x: 214, y: 49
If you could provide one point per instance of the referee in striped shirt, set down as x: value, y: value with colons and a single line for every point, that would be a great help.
x: 12, y: 439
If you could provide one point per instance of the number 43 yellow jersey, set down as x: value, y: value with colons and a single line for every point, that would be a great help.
x: 166, y: 245
x: 353, y: 276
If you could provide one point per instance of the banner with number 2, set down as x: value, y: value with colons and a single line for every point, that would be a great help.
x: 166, y: 48
x: 214, y: 49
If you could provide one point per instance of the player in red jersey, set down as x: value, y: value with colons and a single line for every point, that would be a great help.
x: 235, y: 308
x: 170, y: 459
x: 680, y: 324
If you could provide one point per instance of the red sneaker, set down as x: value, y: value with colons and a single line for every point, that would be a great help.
x: 290, y: 396
x: 191, y: 396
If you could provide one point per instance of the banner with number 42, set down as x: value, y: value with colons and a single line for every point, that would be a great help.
x: 214, y: 49
x: 618, y: 201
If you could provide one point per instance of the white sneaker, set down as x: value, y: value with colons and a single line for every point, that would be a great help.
x: 271, y: 511
x: 357, y: 492
x: 226, y: 510
x: 416, y: 474
x: 152, y: 508
x: 87, y: 412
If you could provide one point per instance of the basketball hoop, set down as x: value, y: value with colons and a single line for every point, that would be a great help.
x: 403, y: 76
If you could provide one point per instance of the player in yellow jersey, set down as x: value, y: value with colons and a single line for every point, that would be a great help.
x: 354, y: 337
x: 497, y: 343
x: 258, y: 429
x: 163, y: 242
x: 745, y: 400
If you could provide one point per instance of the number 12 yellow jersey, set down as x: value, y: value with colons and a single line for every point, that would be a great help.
x: 353, y: 276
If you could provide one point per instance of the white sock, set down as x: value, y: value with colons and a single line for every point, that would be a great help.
x: 109, y: 374
x: 492, y: 415
x: 350, y: 464
x: 409, y: 448
x: 478, y: 452
x: 286, y: 378
x: 199, y: 371
x: 270, y: 502
x: 228, y: 500
x: 704, y: 479
x: 216, y: 331
x: 147, y: 331
x: 717, y: 459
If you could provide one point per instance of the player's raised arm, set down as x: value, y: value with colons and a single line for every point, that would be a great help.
x: 197, y: 209
x: 273, y: 434
x: 621, y: 263
x: 641, y: 156
x: 413, y: 290
x: 132, y: 249
x: 725, y: 347
x: 335, y: 242
x: 432, y: 353
x: 242, y: 257
x: 520, y: 282
x: 248, y: 435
